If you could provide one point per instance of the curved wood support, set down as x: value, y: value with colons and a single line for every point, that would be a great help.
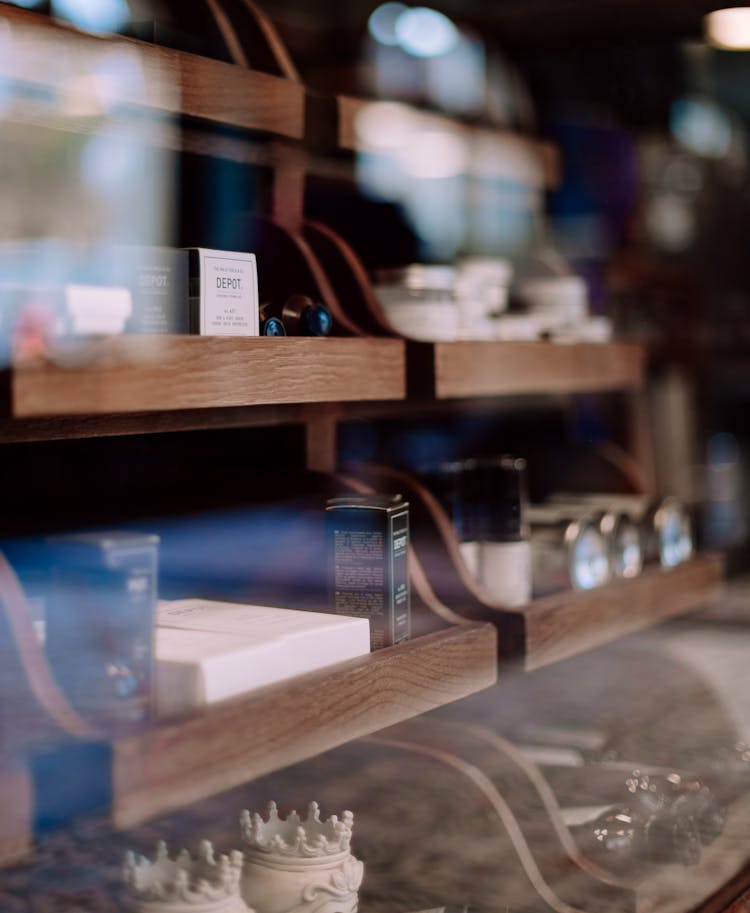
x: 509, y: 753
x: 431, y: 743
x: 626, y: 464
x: 437, y: 539
x: 350, y: 277
x: 297, y: 269
x: 228, y: 33
x: 327, y: 293
x: 273, y: 40
x: 39, y: 704
x: 266, y: 28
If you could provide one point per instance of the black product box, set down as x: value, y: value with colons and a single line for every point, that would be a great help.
x: 100, y: 617
x: 158, y: 281
x: 368, y: 546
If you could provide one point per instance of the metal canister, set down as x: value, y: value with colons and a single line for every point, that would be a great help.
x: 669, y: 531
x: 626, y: 543
x: 622, y: 533
x: 567, y: 552
x: 666, y: 525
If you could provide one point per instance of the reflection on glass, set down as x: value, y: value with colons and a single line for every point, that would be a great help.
x: 83, y: 178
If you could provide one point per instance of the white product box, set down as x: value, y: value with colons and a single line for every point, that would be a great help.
x: 223, y: 293
x: 210, y: 651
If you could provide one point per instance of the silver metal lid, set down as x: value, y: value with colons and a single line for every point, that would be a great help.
x: 674, y: 532
x: 627, y: 546
x: 588, y: 552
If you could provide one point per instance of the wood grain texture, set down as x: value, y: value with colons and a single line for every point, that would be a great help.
x: 568, y: 623
x: 176, y: 82
x: 169, y: 766
x: 143, y: 374
x: 496, y: 153
x: 228, y: 94
x: 502, y: 368
x: 68, y: 427
x: 321, y: 438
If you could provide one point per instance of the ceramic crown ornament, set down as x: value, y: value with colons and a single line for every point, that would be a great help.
x: 200, y: 885
x: 291, y: 836
x: 296, y: 865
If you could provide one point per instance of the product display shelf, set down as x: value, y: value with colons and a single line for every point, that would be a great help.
x: 451, y: 370
x: 352, y: 123
x: 185, y: 84
x: 172, y: 82
x: 131, y: 374
x: 561, y: 625
x: 175, y: 763
x: 554, y: 627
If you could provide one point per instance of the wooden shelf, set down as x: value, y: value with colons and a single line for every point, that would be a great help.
x: 172, y: 82
x: 341, y: 122
x: 451, y: 370
x: 559, y: 626
x: 171, y: 765
x: 129, y: 374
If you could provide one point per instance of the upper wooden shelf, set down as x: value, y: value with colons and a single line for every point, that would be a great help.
x: 357, y: 124
x: 62, y: 60
x: 452, y: 370
x: 562, y: 625
x: 128, y: 374
x: 168, y: 766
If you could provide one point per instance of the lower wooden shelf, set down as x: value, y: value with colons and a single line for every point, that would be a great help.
x: 559, y: 626
x: 171, y: 765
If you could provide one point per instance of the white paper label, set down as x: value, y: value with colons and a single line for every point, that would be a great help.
x: 505, y: 571
x: 229, y: 293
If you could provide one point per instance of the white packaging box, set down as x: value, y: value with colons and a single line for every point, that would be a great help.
x: 223, y: 293
x: 210, y: 651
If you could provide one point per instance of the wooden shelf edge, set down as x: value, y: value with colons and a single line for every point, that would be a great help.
x: 164, y: 768
x: 565, y: 624
x: 130, y: 374
x: 466, y: 369
x: 182, y: 83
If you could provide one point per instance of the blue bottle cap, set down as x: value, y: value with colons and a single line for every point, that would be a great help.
x: 317, y: 321
x: 272, y: 327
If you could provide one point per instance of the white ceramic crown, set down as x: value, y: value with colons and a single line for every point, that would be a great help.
x: 201, y: 885
x: 294, y: 837
x: 300, y: 866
